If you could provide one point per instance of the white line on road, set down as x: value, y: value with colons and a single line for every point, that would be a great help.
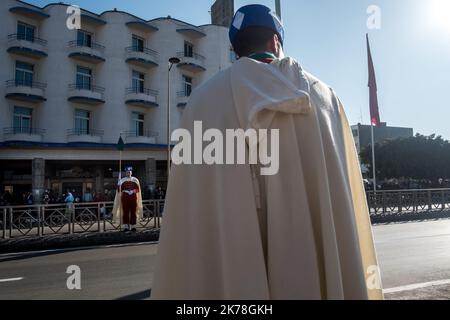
x: 417, y: 286
x: 11, y: 279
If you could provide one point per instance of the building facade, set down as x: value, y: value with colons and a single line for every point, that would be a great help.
x: 363, y: 136
x: 222, y: 12
x: 67, y: 95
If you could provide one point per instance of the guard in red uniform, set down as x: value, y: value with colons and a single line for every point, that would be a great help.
x: 128, y: 201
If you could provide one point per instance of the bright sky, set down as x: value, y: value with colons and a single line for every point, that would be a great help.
x: 411, y: 50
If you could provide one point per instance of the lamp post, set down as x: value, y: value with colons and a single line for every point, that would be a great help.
x: 278, y: 8
x: 172, y: 61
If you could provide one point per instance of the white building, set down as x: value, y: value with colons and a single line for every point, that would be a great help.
x: 67, y: 95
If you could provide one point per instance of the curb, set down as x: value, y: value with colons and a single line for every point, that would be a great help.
x: 71, y: 241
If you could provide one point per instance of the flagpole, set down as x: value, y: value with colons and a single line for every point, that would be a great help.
x: 373, y: 160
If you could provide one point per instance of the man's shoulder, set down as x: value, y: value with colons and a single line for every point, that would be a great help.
x: 320, y: 89
x: 209, y: 96
x: 216, y: 83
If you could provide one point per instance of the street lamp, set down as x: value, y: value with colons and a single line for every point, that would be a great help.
x: 172, y: 61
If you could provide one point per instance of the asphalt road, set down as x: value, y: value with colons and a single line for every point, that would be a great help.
x: 414, y: 260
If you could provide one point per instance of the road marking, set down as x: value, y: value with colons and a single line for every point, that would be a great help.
x: 416, y: 286
x: 80, y: 248
x: 11, y: 279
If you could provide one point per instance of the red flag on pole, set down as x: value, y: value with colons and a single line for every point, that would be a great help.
x: 374, y: 110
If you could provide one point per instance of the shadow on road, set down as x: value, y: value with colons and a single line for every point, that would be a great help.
x: 25, y: 255
x: 137, y: 296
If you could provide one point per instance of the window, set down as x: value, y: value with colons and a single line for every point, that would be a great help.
x: 22, y: 120
x: 84, y: 39
x: 138, y: 43
x: 138, y: 82
x: 187, y: 85
x: 25, y: 31
x: 84, y: 78
x: 355, y: 132
x: 138, y: 123
x: 24, y: 74
x: 188, y: 49
x: 82, y: 118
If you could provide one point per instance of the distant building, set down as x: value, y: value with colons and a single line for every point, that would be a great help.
x: 222, y: 12
x: 363, y: 139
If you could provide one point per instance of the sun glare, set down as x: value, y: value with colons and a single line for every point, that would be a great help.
x: 440, y: 13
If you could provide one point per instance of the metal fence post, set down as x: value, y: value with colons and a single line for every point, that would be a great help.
x: 430, y: 205
x: 4, y: 223
x: 71, y: 209
x: 39, y: 209
x: 98, y: 217
x: 10, y: 221
x: 400, y: 202
x: 443, y: 199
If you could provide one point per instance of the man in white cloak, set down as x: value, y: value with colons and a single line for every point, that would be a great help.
x: 303, y: 233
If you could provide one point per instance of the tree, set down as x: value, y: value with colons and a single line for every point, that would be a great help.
x: 419, y: 157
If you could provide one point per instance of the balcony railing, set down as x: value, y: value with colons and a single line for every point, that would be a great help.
x: 145, y: 50
x: 194, y: 55
x: 19, y: 36
x: 25, y: 83
x: 23, y: 130
x: 146, y: 91
x: 182, y: 94
x: 87, y: 87
x: 145, y: 133
x: 86, y: 44
x: 85, y: 132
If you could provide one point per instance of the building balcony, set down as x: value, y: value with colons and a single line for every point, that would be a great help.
x: 84, y: 136
x: 88, y: 52
x: 141, y: 97
x: 30, y: 12
x: 32, y: 47
x: 192, y: 32
x: 23, y: 134
x: 141, y: 26
x: 141, y: 57
x: 93, y: 95
x: 29, y: 91
x: 145, y: 137
x: 182, y: 99
x: 193, y: 63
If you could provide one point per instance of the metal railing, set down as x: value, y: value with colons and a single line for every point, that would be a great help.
x: 88, y: 87
x: 85, y: 44
x: 145, y: 50
x: 405, y: 204
x: 40, y: 220
x: 85, y: 132
x: 182, y: 94
x: 25, y: 83
x: 146, y: 91
x: 23, y: 130
x: 24, y: 37
x: 194, y: 55
x: 145, y: 133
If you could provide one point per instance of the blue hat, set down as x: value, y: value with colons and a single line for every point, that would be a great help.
x: 255, y: 15
x: 128, y: 169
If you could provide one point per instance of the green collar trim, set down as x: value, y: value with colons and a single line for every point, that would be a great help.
x: 262, y: 56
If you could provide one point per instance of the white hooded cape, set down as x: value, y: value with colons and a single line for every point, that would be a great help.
x: 304, y: 233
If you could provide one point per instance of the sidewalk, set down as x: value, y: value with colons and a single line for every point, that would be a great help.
x: 75, y: 240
